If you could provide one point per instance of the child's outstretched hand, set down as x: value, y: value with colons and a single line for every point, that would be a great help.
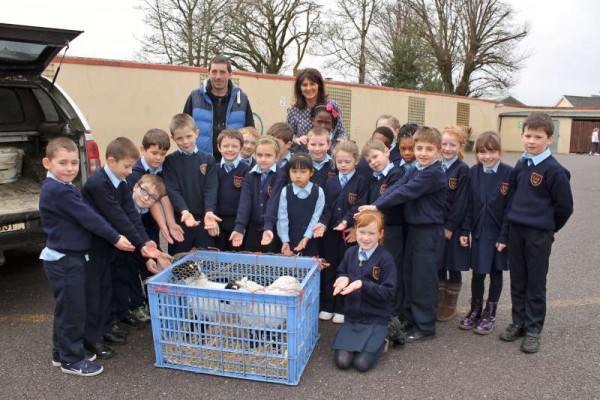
x: 319, y: 230
x: 152, y: 266
x: 350, y: 235
x: 447, y: 234
x: 342, y: 226
x: 164, y: 232
x: 150, y: 250
x: 340, y: 284
x: 164, y: 260
x: 236, y: 239
x: 188, y: 219
x: 500, y: 246
x: 267, y: 238
x: 211, y: 221
x: 364, y: 208
x: 302, y: 245
x: 124, y: 244
x: 357, y: 284
x: 464, y: 241
x: 176, y: 232
x: 214, y: 231
x: 286, y: 250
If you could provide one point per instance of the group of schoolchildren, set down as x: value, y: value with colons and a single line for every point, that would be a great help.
x: 397, y: 221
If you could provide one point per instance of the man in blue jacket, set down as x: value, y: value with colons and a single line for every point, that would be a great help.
x: 217, y: 105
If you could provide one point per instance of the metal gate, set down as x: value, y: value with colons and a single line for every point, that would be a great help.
x: 581, y: 135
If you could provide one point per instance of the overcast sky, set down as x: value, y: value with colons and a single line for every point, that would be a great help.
x: 563, y: 40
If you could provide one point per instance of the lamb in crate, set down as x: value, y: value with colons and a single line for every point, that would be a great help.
x: 262, y: 321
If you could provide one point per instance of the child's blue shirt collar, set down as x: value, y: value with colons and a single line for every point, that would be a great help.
x: 235, y: 162
x: 448, y: 164
x: 113, y: 178
x: 349, y: 175
x: 256, y: 169
x: 147, y: 168
x: 191, y: 153
x: 369, y: 252
x: 319, y: 164
x: 52, y: 176
x: 297, y: 189
x: 540, y: 157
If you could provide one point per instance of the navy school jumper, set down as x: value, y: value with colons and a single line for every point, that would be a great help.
x: 423, y: 193
x: 340, y: 205
x: 68, y: 222
x: 540, y: 205
x: 393, y: 239
x: 228, y: 200
x: 257, y: 211
x: 486, y: 218
x: 192, y: 184
x: 456, y: 257
x: 321, y: 176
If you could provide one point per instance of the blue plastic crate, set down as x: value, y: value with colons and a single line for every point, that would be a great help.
x: 258, y: 336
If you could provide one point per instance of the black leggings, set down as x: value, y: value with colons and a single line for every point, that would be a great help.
x: 362, y: 361
x: 478, y: 286
x: 449, y: 276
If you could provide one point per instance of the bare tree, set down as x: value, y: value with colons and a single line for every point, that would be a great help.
x: 346, y: 40
x: 182, y: 31
x: 259, y: 32
x: 473, y: 43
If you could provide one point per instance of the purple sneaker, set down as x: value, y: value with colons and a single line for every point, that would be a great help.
x: 486, y: 324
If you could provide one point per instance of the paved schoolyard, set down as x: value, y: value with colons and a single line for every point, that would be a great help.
x: 456, y: 364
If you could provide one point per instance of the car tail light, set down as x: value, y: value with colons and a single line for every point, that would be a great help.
x: 93, y: 154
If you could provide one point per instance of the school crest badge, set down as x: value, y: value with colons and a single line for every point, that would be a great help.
x: 383, y: 188
x: 331, y: 174
x: 453, y: 183
x: 536, y: 179
x: 376, y: 273
x: 203, y: 168
x: 504, y: 188
x: 352, y: 198
x: 237, y: 181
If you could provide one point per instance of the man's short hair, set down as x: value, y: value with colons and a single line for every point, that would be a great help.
x: 428, y: 135
x: 182, y: 121
x: 230, y: 134
x: 57, y: 143
x: 122, y: 148
x: 156, y: 137
x: 282, y: 131
x: 220, y: 60
x: 539, y: 121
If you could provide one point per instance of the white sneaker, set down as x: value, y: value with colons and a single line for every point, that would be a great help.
x: 338, y: 318
x: 325, y: 316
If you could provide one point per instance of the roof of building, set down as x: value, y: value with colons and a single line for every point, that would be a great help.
x: 511, y: 101
x: 574, y: 114
x: 583, y: 101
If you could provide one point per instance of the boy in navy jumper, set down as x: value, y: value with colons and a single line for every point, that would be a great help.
x: 344, y: 193
x: 231, y: 179
x: 250, y: 137
x: 68, y: 221
x: 257, y: 213
x: 192, y: 186
x: 107, y: 275
x: 384, y: 175
x: 423, y: 192
x: 318, y: 144
x: 541, y: 204
x: 284, y: 134
x: 386, y: 136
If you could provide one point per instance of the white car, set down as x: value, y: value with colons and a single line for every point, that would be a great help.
x: 33, y: 110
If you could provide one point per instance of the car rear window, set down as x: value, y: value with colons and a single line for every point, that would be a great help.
x: 11, y: 111
x: 19, y: 51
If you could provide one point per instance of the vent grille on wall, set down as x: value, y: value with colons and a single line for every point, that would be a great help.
x: 343, y: 97
x: 416, y: 110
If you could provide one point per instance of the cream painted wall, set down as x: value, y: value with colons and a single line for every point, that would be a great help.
x: 127, y: 99
x: 511, y: 134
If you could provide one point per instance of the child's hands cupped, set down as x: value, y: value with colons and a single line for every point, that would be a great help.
x: 149, y: 250
x: 500, y: 246
x: 267, y: 238
x: 188, y: 219
x: 342, y: 226
x: 236, y: 239
x: 214, y: 231
x: 464, y: 241
x: 350, y: 235
x: 302, y: 245
x: 357, y: 284
x: 164, y: 232
x: 286, y: 250
x: 176, y: 232
x: 152, y: 266
x: 340, y: 284
x: 124, y: 244
x: 319, y: 231
x: 447, y: 234
x: 211, y: 221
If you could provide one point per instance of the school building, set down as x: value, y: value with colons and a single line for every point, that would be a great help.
x: 123, y: 98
